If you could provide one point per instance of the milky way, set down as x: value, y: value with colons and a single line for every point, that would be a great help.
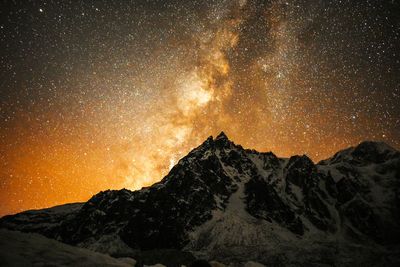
x: 111, y: 94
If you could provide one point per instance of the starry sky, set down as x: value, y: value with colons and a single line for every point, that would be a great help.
x: 106, y: 94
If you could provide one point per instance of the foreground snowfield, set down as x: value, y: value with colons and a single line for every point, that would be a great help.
x: 22, y: 249
x: 27, y: 249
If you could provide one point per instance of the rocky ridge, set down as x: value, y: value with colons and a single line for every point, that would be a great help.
x: 232, y: 204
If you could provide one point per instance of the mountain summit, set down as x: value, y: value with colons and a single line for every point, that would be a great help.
x: 231, y: 204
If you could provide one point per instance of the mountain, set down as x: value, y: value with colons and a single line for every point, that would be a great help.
x: 25, y: 249
x: 223, y: 202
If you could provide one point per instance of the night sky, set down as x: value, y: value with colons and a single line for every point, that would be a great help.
x: 111, y: 94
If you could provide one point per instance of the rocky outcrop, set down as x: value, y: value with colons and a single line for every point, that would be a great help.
x: 221, y: 187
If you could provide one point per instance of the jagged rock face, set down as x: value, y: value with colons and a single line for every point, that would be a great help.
x: 264, y: 202
x: 296, y: 194
x: 182, y: 200
x: 159, y: 216
x: 104, y: 214
x: 366, y: 189
x: 373, y: 152
x: 354, y: 195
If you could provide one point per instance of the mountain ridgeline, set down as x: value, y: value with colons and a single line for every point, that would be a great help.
x: 232, y: 204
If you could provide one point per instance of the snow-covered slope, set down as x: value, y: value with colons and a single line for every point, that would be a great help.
x: 44, y: 221
x: 367, y: 190
x: 22, y: 249
x: 230, y: 204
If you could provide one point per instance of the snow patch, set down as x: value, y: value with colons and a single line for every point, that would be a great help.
x: 21, y: 249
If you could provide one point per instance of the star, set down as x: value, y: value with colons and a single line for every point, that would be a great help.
x: 112, y: 94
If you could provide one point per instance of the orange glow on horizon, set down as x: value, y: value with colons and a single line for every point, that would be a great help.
x: 122, y: 110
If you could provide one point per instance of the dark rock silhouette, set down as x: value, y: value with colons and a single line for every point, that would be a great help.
x: 200, y: 263
x: 222, y: 198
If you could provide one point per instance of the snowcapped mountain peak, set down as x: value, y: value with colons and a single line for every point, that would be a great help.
x: 222, y: 199
x: 366, y: 152
x: 222, y: 142
x: 373, y: 151
x: 378, y: 145
x: 222, y: 135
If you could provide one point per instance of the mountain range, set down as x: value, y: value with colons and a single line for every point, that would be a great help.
x: 226, y: 203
